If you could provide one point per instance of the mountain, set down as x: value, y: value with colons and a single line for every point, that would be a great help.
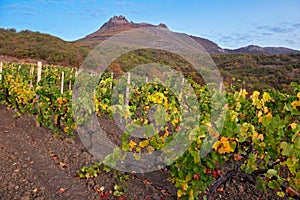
x: 118, y: 24
x: 115, y: 25
x: 253, y: 49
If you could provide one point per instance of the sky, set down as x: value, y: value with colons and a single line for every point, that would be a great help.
x: 229, y: 23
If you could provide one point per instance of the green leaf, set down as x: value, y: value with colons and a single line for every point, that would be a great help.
x: 281, y: 194
x: 272, y: 172
x: 287, y: 149
x: 273, y: 184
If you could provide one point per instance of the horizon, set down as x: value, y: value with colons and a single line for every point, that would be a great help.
x: 230, y: 25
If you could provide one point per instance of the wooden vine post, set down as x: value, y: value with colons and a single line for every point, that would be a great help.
x: 126, y: 100
x: 111, y: 83
x: 39, y: 76
x: 70, y: 81
x: 31, y: 73
x: 62, y: 82
x: 1, y: 65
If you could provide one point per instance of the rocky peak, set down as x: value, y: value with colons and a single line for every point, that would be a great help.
x: 161, y: 25
x: 118, y: 20
x: 115, y: 21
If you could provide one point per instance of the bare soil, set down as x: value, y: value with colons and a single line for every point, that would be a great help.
x: 36, y: 164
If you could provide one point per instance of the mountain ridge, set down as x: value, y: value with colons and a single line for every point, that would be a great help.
x: 117, y: 24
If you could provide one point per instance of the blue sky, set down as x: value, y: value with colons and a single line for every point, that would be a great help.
x: 229, y: 23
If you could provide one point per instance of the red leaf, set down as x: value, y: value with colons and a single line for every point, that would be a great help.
x: 147, y: 182
x: 103, y: 195
x: 237, y: 157
x: 207, y: 170
x: 148, y: 197
x: 196, y: 177
x: 216, y: 174
x: 61, y: 190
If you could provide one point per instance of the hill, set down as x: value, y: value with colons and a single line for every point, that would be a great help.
x: 256, y: 66
x: 253, y: 49
x: 38, y: 46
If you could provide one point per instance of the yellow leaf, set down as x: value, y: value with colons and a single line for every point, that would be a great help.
x: 260, y: 137
x: 224, y: 145
x: 295, y: 104
x: 150, y: 149
x: 259, y: 114
x: 188, y: 178
x: 298, y: 95
x: 208, y: 124
x: 137, y: 156
x: 266, y: 96
x: 216, y: 145
x: 132, y: 144
x: 179, y: 193
x: 255, y: 95
x: 266, y: 109
x: 175, y: 121
x: 144, y: 143
x: 293, y: 125
x: 166, y: 134
x: 138, y: 149
x: 191, y: 197
x: 175, y: 110
x: 184, y: 186
x: 233, y: 115
x: 166, y: 104
x: 224, y: 139
x: 265, y: 119
x: 243, y: 93
x: 255, y: 134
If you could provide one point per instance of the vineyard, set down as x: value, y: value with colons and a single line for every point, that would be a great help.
x: 259, y: 141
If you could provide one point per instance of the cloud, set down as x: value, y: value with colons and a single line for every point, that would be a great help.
x: 47, y: 2
x: 53, y: 2
x: 266, y: 34
x: 22, y: 9
x: 27, y: 7
x: 92, y: 12
x: 274, y: 29
x: 119, y: 3
x: 281, y: 28
x: 26, y: 13
x: 296, y: 25
x: 289, y: 41
x: 13, y: 6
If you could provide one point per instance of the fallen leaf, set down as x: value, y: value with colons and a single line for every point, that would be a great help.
x: 61, y: 190
x: 147, y: 182
x: 63, y: 165
x: 292, y: 192
x: 103, y: 195
x: 102, y: 189
x: 148, y: 197
x: 220, y: 189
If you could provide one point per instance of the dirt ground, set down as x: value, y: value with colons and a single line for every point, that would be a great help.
x: 36, y: 164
